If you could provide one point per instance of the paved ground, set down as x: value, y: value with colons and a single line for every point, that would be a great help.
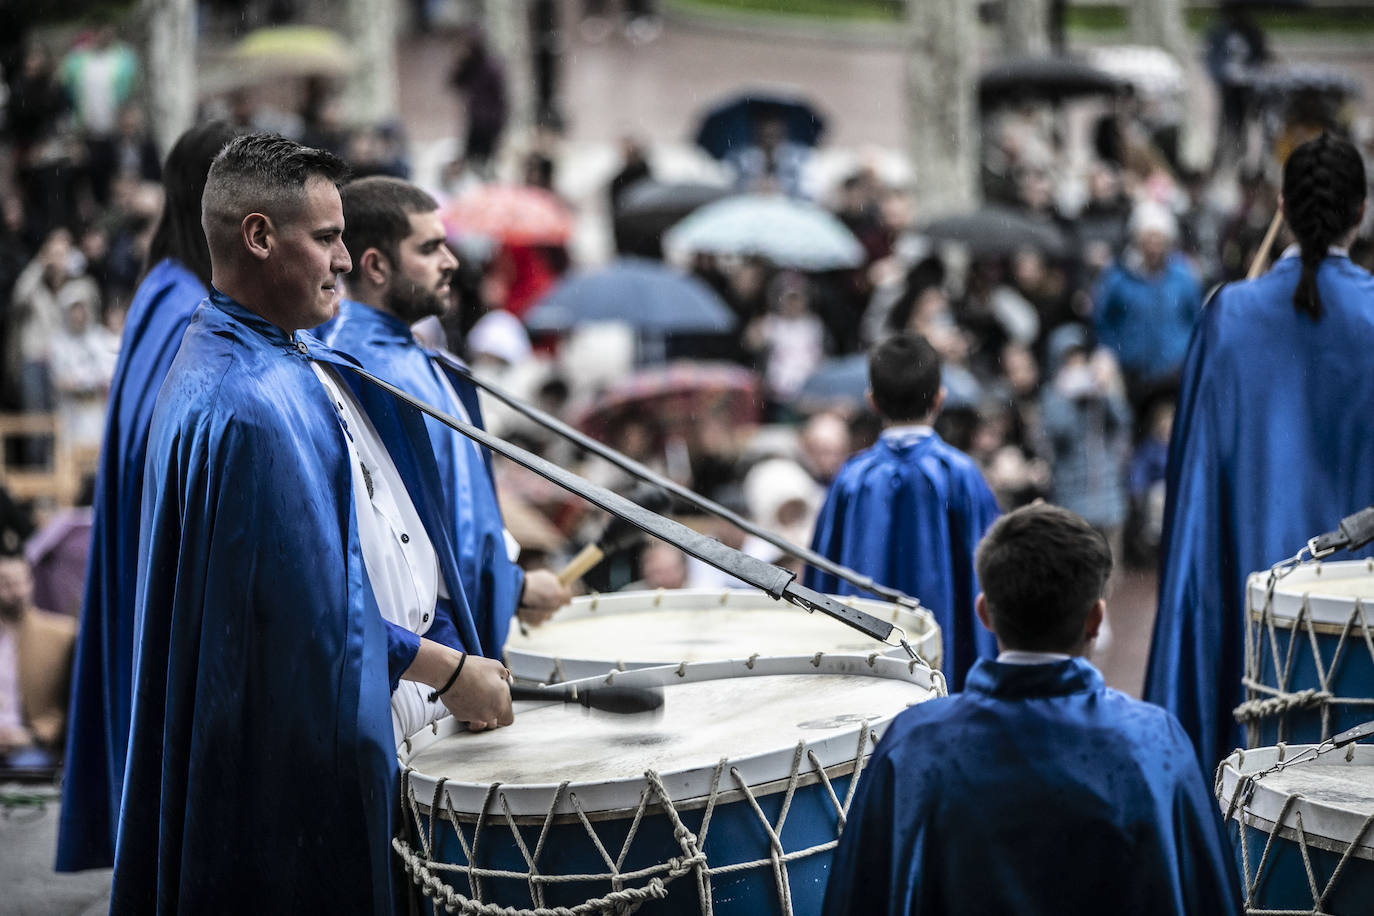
x: 28, y: 843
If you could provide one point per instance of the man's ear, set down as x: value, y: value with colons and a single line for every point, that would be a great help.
x: 259, y: 235
x: 980, y: 607
x: 1094, y: 622
x: 376, y: 267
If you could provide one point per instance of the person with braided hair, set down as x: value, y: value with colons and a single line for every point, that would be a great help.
x: 1270, y: 445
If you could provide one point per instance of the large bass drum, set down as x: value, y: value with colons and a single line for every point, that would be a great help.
x: 1309, y: 653
x: 730, y: 801
x: 629, y: 630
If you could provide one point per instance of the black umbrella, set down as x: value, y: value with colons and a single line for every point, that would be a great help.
x: 1052, y: 79
x: 999, y: 231
x: 650, y: 208
x: 733, y: 123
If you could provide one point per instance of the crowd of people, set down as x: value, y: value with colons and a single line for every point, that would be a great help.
x: 998, y: 372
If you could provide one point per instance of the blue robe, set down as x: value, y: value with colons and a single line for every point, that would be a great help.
x: 385, y: 345
x: 1036, y: 791
x: 102, y: 673
x: 261, y: 771
x: 1272, y: 444
x: 910, y: 515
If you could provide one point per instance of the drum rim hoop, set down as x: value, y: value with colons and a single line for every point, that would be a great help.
x: 1230, y: 770
x: 534, y: 798
x: 1327, y: 613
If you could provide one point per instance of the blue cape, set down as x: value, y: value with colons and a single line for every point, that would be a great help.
x: 1272, y: 444
x: 102, y: 673
x: 261, y: 766
x: 1036, y: 791
x: 385, y: 345
x: 910, y: 516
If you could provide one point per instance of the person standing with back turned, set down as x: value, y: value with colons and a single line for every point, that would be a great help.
x: 1272, y: 442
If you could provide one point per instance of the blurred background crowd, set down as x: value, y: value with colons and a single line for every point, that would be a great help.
x: 701, y: 300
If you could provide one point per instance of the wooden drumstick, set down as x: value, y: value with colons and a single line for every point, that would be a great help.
x: 1262, y: 255
x: 586, y: 558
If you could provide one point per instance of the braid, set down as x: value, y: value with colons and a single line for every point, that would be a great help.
x: 1323, y: 188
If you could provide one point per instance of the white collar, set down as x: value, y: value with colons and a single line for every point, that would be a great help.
x: 1018, y: 657
x: 907, y: 431
x: 1295, y: 251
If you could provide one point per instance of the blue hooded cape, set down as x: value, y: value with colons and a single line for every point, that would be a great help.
x: 103, y: 667
x: 261, y: 769
x: 910, y: 515
x: 385, y: 345
x: 1272, y: 444
x: 1036, y: 791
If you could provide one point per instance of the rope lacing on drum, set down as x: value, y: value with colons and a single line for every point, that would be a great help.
x: 429, y: 874
x: 1265, y: 701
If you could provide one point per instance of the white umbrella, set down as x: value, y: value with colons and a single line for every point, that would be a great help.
x: 790, y: 233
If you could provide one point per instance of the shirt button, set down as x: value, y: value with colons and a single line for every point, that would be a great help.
x: 424, y: 619
x: 300, y: 345
x: 405, y: 539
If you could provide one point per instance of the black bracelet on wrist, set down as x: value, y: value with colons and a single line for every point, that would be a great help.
x: 435, y: 695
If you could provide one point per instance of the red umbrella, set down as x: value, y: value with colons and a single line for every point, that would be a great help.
x: 511, y: 214
x: 674, y: 401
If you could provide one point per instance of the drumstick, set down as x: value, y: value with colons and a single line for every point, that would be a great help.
x: 1262, y: 255
x: 614, y: 699
x: 617, y: 535
x: 586, y: 558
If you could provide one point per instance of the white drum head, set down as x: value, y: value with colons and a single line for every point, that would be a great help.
x: 1330, y: 590
x: 636, y: 629
x: 754, y: 714
x: 1335, y: 794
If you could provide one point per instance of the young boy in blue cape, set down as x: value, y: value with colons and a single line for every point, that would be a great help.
x: 1038, y: 790
x: 910, y: 510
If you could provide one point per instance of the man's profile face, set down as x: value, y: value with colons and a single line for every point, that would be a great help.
x: 421, y: 280
x: 308, y: 257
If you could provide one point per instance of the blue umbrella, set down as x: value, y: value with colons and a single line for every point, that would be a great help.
x: 843, y: 380
x: 732, y: 124
x: 790, y: 233
x: 644, y: 294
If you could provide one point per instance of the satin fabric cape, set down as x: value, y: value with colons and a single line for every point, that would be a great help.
x: 102, y: 673
x: 386, y: 347
x: 910, y: 515
x: 261, y: 771
x: 1272, y: 444
x: 1036, y: 791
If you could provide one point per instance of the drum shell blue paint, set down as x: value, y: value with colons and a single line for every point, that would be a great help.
x: 1283, y: 884
x: 735, y: 835
x: 1353, y: 677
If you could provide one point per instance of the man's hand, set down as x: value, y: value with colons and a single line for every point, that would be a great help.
x: 481, y: 695
x: 543, y: 595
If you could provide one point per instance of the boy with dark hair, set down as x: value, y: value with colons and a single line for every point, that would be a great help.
x: 910, y: 510
x: 1038, y: 790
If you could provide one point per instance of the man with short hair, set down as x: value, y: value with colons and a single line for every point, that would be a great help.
x: 279, y: 533
x: 402, y: 267
x: 1038, y: 790
x: 910, y: 510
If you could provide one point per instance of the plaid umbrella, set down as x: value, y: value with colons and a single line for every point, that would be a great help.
x: 511, y: 214
x: 672, y: 399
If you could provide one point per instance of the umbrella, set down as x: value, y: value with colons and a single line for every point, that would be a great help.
x: 843, y: 380
x: 732, y: 124
x: 790, y: 233
x: 511, y: 214
x: 1152, y: 71
x: 287, y: 51
x: 672, y: 400
x: 1053, y: 79
x: 997, y: 231
x: 645, y: 294
x: 650, y: 208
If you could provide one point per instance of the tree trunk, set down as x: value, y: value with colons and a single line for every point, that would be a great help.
x: 169, y: 78
x: 941, y: 104
x: 507, y: 24
x: 1025, y: 27
x: 1160, y: 23
x: 372, y: 94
